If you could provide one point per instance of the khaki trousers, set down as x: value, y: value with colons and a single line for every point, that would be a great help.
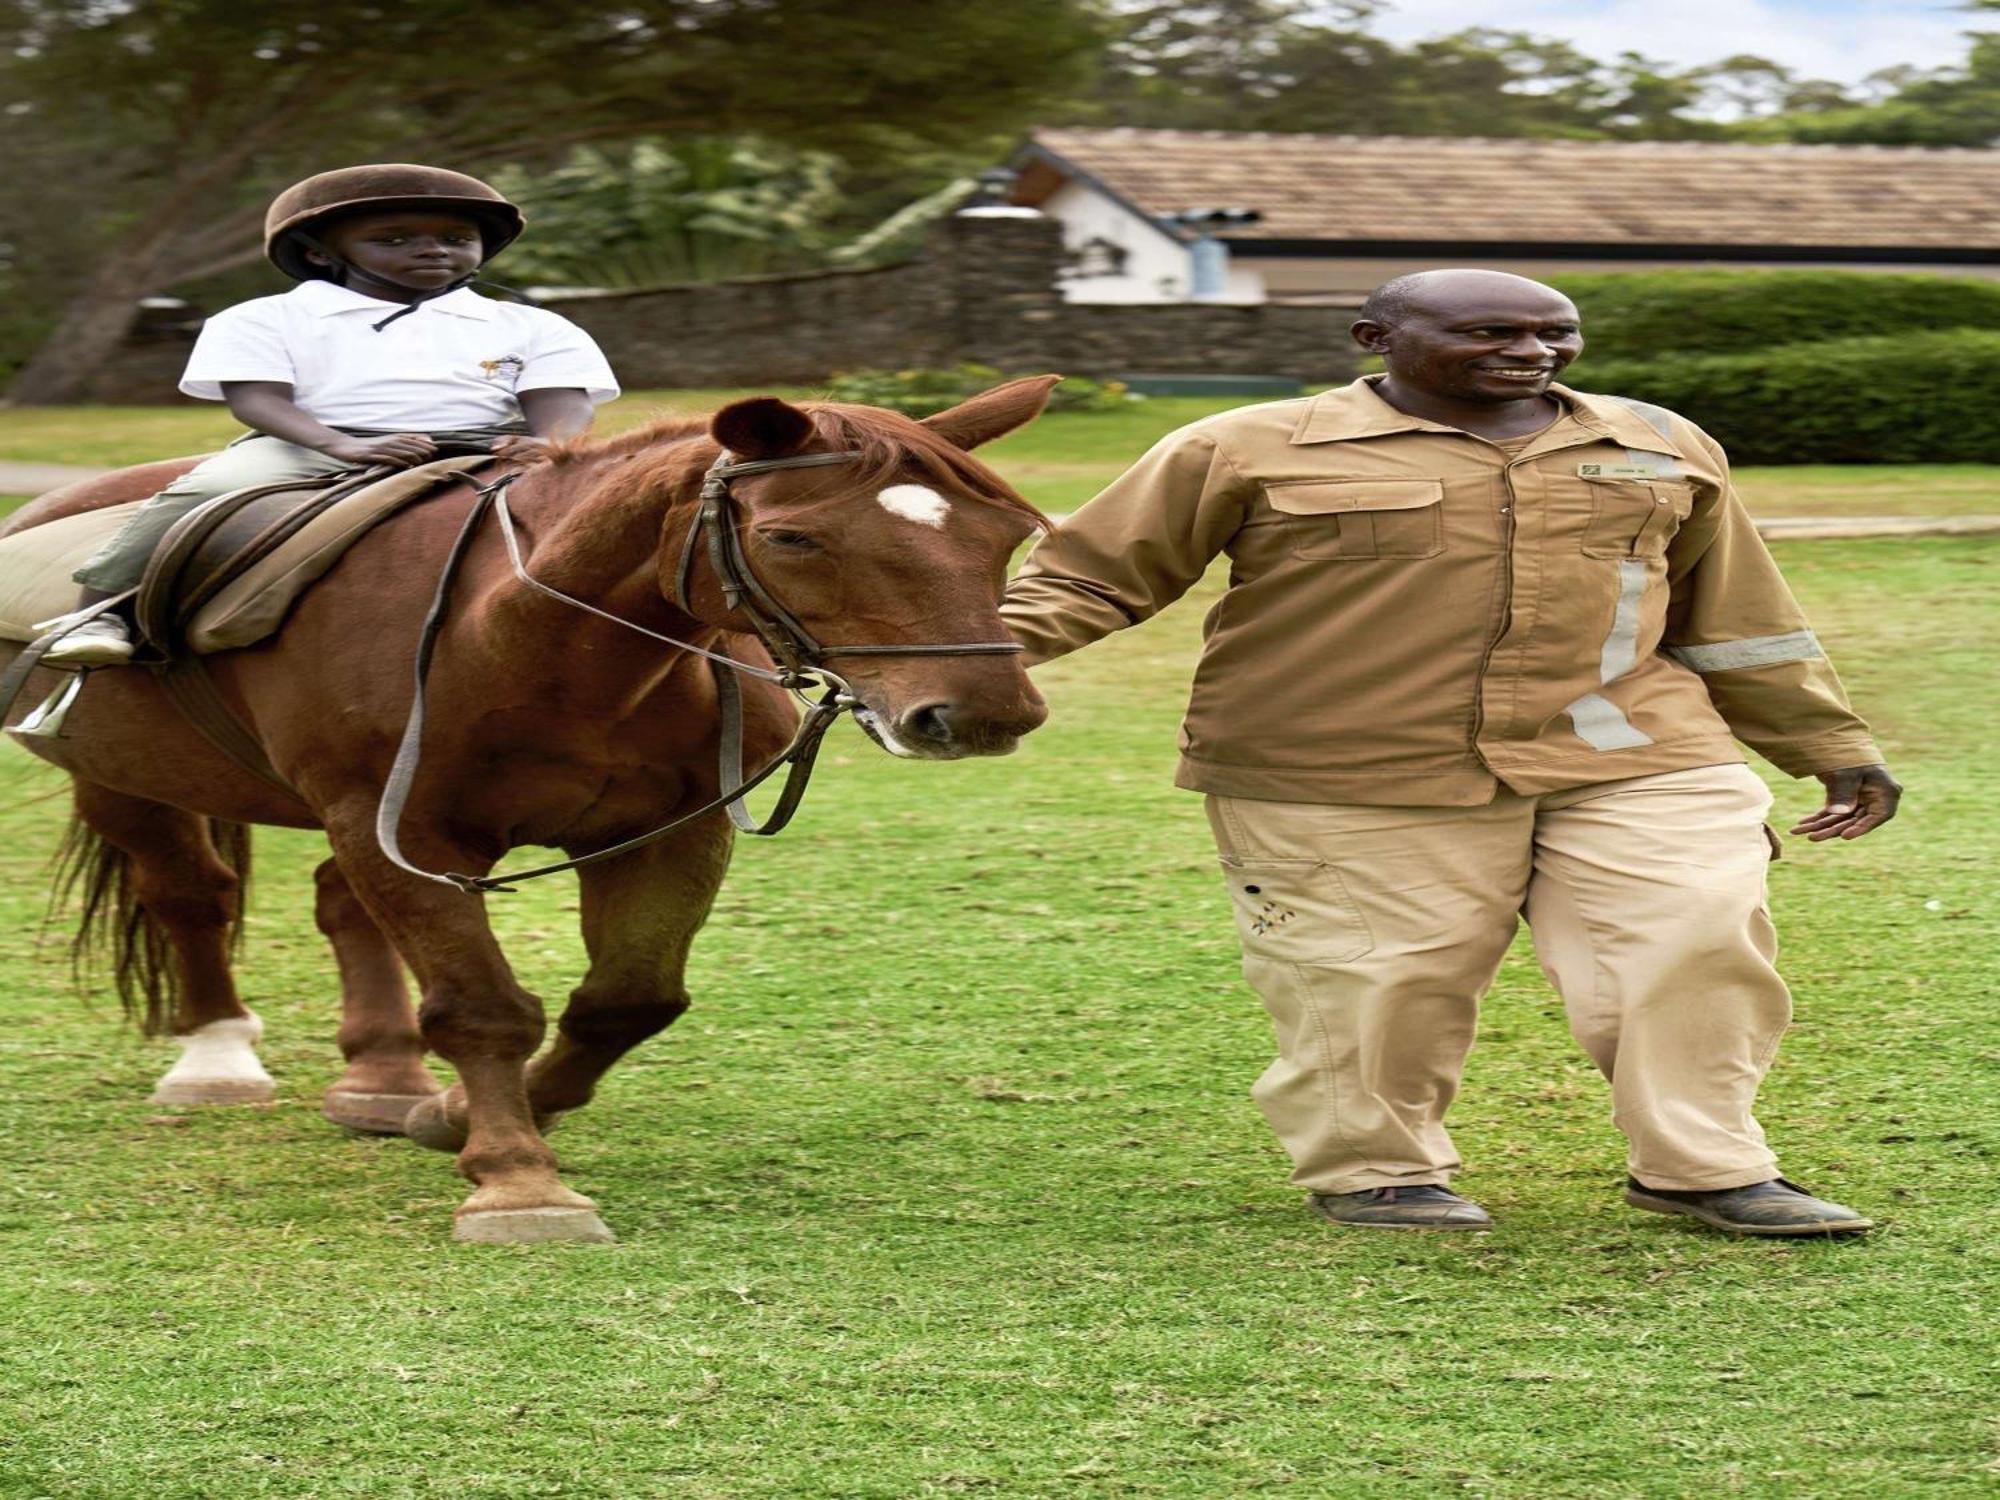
x: 255, y: 458
x: 1371, y: 932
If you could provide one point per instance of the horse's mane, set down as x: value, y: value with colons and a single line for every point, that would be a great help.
x: 663, y: 456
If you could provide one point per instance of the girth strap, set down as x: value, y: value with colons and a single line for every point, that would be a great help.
x: 186, y: 680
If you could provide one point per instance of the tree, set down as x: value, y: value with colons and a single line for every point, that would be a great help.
x: 157, y: 131
x: 1948, y: 107
x: 1305, y: 65
x: 1296, y: 65
x: 657, y: 212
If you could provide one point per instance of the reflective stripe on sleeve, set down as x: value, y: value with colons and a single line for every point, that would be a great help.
x: 1599, y: 722
x: 1661, y: 421
x: 1756, y: 651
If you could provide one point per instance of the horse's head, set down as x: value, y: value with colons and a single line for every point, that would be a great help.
x: 904, y: 543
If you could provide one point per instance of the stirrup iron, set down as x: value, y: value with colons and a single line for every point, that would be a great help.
x: 46, y: 722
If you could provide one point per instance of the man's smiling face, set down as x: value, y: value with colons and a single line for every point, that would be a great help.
x: 1478, y: 337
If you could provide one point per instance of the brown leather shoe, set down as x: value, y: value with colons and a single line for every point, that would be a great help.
x: 1776, y: 1207
x: 1426, y: 1206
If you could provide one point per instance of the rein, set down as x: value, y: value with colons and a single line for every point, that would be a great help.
x: 801, y: 658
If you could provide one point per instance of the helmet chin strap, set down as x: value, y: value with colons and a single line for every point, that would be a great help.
x: 471, y: 278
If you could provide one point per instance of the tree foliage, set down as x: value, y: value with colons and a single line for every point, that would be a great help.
x: 657, y: 212
x: 1307, y: 65
x: 1944, y: 107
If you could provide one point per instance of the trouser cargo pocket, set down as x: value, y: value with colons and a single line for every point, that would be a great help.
x: 1295, y: 911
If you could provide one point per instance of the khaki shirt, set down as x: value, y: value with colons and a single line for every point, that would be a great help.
x: 1415, y: 616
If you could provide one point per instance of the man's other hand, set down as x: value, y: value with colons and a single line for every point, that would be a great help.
x: 1859, y: 799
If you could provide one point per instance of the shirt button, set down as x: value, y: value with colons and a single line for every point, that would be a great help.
x: 1504, y: 510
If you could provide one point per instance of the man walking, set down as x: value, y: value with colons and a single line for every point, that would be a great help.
x: 1487, y: 647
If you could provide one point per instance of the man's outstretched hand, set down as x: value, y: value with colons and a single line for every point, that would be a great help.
x: 1859, y: 799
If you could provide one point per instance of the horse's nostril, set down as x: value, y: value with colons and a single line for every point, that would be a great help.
x: 931, y: 722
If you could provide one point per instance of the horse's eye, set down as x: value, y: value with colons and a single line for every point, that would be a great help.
x: 796, y: 539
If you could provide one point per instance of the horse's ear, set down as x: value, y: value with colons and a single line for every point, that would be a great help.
x: 762, y: 427
x: 992, y: 413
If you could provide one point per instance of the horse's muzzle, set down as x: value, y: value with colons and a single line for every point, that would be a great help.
x: 952, y: 730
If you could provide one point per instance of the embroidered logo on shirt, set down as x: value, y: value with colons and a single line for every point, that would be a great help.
x: 1617, y: 471
x: 506, y: 369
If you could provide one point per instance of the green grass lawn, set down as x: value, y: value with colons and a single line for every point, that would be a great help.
x: 1058, y: 462
x: 950, y: 1182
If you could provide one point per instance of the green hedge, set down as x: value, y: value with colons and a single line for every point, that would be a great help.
x: 1921, y: 398
x: 920, y: 393
x: 1649, y: 314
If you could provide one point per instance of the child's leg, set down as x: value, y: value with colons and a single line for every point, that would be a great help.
x: 120, y: 563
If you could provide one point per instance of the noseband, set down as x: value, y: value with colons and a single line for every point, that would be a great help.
x: 800, y: 656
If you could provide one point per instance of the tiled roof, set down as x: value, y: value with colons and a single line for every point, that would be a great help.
x: 1404, y: 188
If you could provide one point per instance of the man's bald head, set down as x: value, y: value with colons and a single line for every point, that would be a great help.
x: 1474, y: 337
x: 1435, y: 293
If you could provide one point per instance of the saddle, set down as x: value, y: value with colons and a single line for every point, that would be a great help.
x: 230, y: 571
x: 224, y: 577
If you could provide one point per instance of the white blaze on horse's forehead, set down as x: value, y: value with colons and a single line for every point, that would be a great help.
x: 916, y: 502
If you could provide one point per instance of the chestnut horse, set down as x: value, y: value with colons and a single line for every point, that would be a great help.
x: 547, y: 724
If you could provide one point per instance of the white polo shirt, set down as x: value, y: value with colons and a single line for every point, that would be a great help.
x: 455, y: 362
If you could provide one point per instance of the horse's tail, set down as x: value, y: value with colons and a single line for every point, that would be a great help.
x: 116, y: 923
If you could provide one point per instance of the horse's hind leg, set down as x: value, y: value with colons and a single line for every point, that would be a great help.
x: 171, y: 895
x: 385, y: 1075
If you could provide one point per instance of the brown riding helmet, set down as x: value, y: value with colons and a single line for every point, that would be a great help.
x: 382, y: 187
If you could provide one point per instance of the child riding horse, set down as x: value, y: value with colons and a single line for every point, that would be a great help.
x: 381, y: 355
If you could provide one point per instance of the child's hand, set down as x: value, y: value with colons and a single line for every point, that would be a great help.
x: 399, y: 450
x: 522, y: 449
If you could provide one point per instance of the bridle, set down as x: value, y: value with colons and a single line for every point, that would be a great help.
x: 782, y: 632
x: 801, y: 666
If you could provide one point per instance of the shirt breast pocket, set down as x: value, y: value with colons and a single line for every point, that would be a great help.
x: 1634, y: 518
x: 503, y: 370
x: 1347, y: 520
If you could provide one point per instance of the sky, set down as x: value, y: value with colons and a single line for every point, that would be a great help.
x: 1839, y: 39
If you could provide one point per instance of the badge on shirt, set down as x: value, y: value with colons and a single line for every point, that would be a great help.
x: 506, y: 369
x: 1616, y: 471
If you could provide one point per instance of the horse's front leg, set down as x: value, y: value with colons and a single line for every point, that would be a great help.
x: 480, y: 1020
x: 640, y: 913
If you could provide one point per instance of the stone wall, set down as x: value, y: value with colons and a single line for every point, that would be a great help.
x: 983, y: 288
x: 1306, y: 344
x: 781, y: 330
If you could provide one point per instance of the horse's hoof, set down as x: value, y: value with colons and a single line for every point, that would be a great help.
x: 532, y: 1226
x: 214, y: 1091
x: 429, y: 1124
x: 218, y: 1065
x: 376, y: 1114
